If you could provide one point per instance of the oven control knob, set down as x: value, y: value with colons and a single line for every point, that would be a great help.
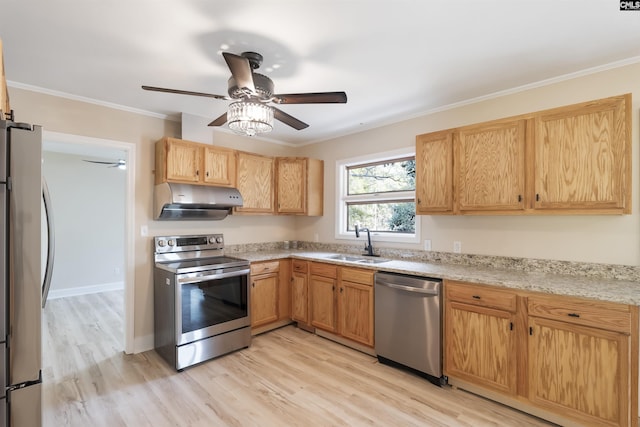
x: 161, y: 243
x: 218, y: 239
x: 171, y: 242
x: 212, y: 239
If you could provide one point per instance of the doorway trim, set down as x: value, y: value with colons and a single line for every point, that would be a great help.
x: 129, y: 221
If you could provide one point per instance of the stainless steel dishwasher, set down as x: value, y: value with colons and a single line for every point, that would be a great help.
x: 408, y: 324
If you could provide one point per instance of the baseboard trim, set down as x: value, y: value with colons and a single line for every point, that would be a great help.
x: 85, y: 290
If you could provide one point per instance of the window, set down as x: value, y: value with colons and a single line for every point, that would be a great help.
x: 378, y: 192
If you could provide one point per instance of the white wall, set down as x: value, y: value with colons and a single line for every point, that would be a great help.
x: 599, y: 239
x: 88, y: 204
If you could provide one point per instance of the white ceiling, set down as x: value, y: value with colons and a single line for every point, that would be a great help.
x: 395, y: 59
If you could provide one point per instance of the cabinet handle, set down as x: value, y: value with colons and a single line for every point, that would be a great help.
x: 207, y: 173
x: 333, y: 288
x: 537, y: 197
x: 511, y: 326
x: 519, y: 197
x: 476, y: 297
x: 573, y: 315
x: 341, y: 289
x: 253, y: 284
x: 530, y: 330
x: 197, y: 173
x: 419, y: 201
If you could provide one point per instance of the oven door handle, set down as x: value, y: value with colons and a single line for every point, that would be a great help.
x: 187, y: 278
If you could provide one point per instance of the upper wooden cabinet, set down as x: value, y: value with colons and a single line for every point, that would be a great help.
x: 434, y: 173
x: 569, y: 160
x: 219, y: 166
x: 183, y: 161
x: 299, y: 186
x: 490, y: 166
x: 583, y: 157
x: 255, y: 181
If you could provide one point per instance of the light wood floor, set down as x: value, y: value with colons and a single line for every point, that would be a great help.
x: 287, y: 377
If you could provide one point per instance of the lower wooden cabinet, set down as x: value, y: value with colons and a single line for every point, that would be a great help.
x: 264, y: 293
x: 270, y: 294
x: 322, y: 298
x: 356, y: 305
x: 341, y: 301
x: 564, y: 358
x: 300, y: 291
x: 479, y: 335
x: 481, y: 346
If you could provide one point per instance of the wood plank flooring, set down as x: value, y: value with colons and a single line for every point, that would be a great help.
x: 288, y: 377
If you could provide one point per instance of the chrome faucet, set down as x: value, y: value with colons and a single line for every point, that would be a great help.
x: 368, y: 246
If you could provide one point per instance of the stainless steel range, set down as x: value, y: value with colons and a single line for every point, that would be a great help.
x: 201, y: 299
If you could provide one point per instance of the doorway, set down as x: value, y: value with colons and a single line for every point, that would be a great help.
x: 78, y: 148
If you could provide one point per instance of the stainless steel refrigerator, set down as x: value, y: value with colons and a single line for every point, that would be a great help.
x: 21, y: 267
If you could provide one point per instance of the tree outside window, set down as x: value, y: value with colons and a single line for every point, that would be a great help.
x: 381, y: 196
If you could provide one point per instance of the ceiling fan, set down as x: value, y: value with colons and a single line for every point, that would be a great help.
x: 251, y: 92
x: 120, y: 163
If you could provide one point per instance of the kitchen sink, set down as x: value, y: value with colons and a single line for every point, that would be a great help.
x: 340, y: 257
x: 373, y: 260
x: 358, y: 259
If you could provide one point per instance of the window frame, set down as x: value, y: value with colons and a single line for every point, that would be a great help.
x: 343, y: 198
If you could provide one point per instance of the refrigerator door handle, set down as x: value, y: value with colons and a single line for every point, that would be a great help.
x: 51, y: 244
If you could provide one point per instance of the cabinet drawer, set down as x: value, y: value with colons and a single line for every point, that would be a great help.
x: 598, y: 314
x: 300, y: 266
x: 357, y: 275
x: 326, y: 270
x: 480, y: 295
x: 265, y: 267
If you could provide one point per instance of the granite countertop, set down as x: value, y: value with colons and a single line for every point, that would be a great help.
x: 620, y: 291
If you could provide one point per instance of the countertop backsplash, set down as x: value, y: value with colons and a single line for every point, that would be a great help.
x: 593, y: 270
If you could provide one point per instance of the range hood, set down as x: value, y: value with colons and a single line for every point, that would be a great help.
x: 194, y: 202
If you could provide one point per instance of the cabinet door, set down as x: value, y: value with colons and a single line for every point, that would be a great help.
x: 322, y: 302
x: 291, y: 182
x: 480, y: 346
x: 183, y: 160
x: 579, y: 371
x: 490, y: 167
x: 264, y: 299
x: 284, y: 290
x: 434, y: 173
x: 356, y: 312
x: 255, y: 183
x: 299, y: 297
x: 219, y: 166
x: 583, y: 155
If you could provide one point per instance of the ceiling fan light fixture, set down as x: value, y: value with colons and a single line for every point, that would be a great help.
x: 250, y: 118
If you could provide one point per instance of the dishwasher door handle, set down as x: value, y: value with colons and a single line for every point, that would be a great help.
x: 409, y: 288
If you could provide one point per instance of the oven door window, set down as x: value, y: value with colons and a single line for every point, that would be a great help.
x: 212, y: 307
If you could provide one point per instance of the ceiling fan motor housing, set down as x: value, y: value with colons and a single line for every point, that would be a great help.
x: 262, y: 83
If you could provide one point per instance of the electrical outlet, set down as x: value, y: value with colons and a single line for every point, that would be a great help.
x: 427, y: 245
x: 144, y: 230
x: 457, y: 247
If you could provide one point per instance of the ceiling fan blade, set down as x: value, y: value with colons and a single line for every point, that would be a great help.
x: 219, y: 121
x: 241, y: 71
x: 288, y: 119
x: 184, y: 92
x: 311, y: 98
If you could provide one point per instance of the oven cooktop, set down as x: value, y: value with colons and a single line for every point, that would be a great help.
x: 202, y: 264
